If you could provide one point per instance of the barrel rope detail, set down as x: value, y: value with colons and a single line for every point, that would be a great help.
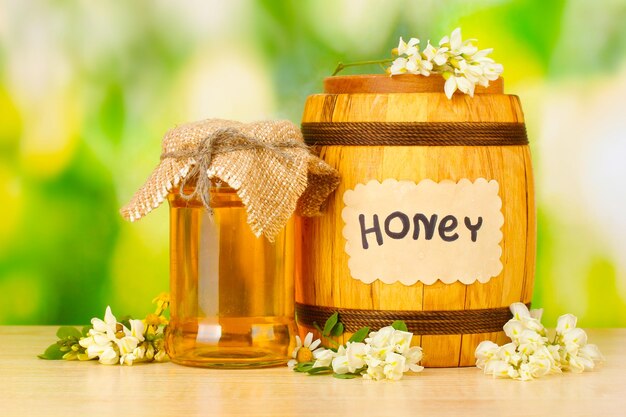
x: 445, y: 322
x: 414, y: 134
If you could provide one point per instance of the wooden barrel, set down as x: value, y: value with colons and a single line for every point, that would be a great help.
x: 419, y: 172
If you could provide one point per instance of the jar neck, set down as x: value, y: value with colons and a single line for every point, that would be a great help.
x: 221, y: 195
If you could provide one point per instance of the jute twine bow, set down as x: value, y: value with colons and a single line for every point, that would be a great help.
x: 220, y: 142
x: 267, y: 163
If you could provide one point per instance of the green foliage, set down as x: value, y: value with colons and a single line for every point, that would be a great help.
x: 360, y: 335
x: 67, y: 347
x: 320, y: 370
x: 53, y: 352
x: 337, y: 330
x: 303, y: 367
x: 330, y: 324
x: 400, y: 325
x: 68, y: 332
x: 345, y: 376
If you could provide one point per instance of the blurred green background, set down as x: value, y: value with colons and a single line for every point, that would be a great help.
x: 87, y: 89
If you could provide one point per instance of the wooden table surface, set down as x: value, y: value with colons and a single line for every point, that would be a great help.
x: 34, y: 387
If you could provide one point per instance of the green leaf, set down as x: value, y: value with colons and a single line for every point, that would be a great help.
x: 359, y: 335
x: 400, y: 325
x: 303, y: 367
x: 66, y: 332
x: 330, y: 323
x: 52, y: 353
x: 344, y: 376
x: 319, y: 370
x: 337, y: 330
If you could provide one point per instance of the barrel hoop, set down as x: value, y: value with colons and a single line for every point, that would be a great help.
x: 442, y: 322
x: 414, y: 134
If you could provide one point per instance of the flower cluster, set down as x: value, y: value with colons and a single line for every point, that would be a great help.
x: 530, y: 354
x: 385, y: 354
x: 460, y: 62
x: 112, y: 341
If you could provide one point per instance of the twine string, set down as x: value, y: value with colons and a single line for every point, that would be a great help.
x: 414, y: 133
x: 442, y: 322
x: 219, y: 142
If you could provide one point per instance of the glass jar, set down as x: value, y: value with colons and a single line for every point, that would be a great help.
x: 231, y: 292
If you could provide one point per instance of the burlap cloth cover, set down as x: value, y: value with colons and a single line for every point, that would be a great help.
x: 267, y: 163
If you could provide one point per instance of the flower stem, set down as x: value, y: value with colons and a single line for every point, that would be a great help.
x: 341, y: 65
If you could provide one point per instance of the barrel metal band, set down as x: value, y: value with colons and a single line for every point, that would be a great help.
x: 448, y: 322
x: 414, y: 134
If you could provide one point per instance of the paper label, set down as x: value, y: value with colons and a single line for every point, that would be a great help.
x: 407, y: 232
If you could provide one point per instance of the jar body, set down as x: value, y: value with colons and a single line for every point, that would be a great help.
x: 231, y: 292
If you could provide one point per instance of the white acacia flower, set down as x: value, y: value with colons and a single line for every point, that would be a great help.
x: 481, y: 56
x: 304, y: 352
x: 513, y: 328
x: 497, y: 368
x: 457, y: 45
x: 534, y: 324
x: 474, y: 74
x: 457, y: 82
x: 418, y: 66
x: 108, y: 325
x: 340, y: 364
x: 484, y: 352
x: 437, y: 56
x: 324, y: 357
x: 519, y: 311
x: 356, y: 354
x: 382, y: 338
x: 530, y: 355
x: 492, y: 71
x: 108, y: 356
x: 565, y: 323
x: 127, y: 359
x: 459, y: 61
x: 398, y: 66
x: 378, y: 354
x: 584, y: 359
x: 413, y: 358
x: 509, y: 354
x: 137, y: 329
x: 374, y: 372
x: 394, y: 366
x: 530, y: 337
x: 592, y: 352
x: 127, y: 344
x: 573, y: 339
x: 95, y: 350
x: 408, y: 48
x: 401, y: 341
x: 525, y: 372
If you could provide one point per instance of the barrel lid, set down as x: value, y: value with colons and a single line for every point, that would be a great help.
x: 405, y: 83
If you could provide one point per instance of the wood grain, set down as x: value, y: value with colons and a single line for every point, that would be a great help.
x: 381, y: 83
x: 33, y: 387
x: 323, y: 277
